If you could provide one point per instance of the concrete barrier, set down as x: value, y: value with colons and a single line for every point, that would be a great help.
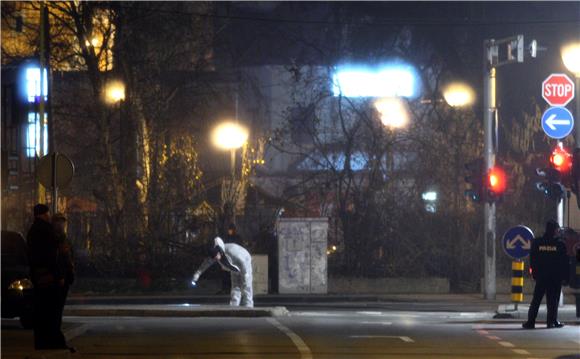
x: 388, y: 285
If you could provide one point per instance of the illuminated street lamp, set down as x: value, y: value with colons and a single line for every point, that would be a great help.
x: 458, y: 94
x: 571, y: 58
x: 230, y: 136
x: 393, y: 112
x: 114, y: 92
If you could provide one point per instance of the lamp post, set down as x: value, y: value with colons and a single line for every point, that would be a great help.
x: 230, y: 136
x: 115, y: 95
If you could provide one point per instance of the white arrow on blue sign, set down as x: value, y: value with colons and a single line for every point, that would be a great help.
x: 557, y: 122
x: 517, y: 242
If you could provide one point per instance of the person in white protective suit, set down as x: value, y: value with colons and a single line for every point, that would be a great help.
x: 237, y: 260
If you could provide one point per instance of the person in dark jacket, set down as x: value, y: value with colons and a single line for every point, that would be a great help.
x: 47, y: 280
x: 65, y: 258
x: 549, y: 266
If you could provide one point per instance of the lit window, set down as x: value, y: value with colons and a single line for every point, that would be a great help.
x: 33, y: 136
x: 33, y: 84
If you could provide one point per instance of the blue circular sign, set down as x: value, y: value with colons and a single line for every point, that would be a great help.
x: 517, y: 242
x: 557, y: 122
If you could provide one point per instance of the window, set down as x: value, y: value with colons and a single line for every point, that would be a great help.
x: 33, y: 135
x: 33, y: 84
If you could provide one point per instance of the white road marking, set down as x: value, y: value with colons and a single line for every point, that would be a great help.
x: 521, y: 351
x: 506, y: 344
x: 317, y: 314
x: 76, y: 331
x: 305, y: 352
x: 483, y: 332
x: 493, y: 337
x: 377, y: 323
x: 577, y: 341
x: 370, y: 313
x: 405, y: 339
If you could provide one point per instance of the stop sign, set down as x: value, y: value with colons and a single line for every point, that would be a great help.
x: 558, y: 90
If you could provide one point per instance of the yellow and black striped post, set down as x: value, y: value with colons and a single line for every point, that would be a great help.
x: 517, y: 281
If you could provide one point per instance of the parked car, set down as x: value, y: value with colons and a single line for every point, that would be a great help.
x: 16, y: 285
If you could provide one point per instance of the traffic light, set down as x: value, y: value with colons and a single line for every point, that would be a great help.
x: 558, y: 175
x: 474, y: 178
x: 561, y: 161
x: 550, y: 186
x: 496, y: 183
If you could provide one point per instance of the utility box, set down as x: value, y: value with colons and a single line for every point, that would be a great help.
x: 260, y: 273
x: 302, y: 258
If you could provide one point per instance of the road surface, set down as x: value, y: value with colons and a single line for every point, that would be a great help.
x: 313, y: 333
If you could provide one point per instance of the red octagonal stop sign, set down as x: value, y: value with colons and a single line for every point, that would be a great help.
x: 558, y: 90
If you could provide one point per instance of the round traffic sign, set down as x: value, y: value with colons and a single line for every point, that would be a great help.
x: 517, y: 242
x: 557, y: 122
x: 558, y: 89
x: 64, y: 170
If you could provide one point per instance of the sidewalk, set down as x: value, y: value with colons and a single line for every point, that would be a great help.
x: 566, y: 314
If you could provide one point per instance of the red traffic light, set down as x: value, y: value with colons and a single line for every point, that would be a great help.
x: 561, y: 159
x: 496, y: 180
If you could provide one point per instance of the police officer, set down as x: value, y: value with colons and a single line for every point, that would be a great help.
x: 548, y: 262
x: 48, y: 282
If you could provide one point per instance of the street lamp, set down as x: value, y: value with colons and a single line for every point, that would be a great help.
x: 393, y: 112
x: 230, y: 136
x: 571, y: 59
x: 114, y: 92
x: 458, y: 94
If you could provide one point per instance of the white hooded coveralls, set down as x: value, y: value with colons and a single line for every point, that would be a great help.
x: 238, y: 262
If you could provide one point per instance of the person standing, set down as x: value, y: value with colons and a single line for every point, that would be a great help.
x: 549, y: 266
x: 47, y: 280
x: 236, y: 260
x: 65, y: 259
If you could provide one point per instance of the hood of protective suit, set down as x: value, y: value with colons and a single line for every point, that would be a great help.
x: 225, y: 261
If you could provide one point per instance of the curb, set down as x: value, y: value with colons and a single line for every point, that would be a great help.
x: 176, y: 313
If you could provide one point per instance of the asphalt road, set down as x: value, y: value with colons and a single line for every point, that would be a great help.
x: 313, y: 333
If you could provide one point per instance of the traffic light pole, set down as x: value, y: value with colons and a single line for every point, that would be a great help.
x: 489, y: 219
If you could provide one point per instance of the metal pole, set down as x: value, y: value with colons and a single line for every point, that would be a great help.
x: 560, y: 210
x: 54, y: 160
x: 41, y: 193
x: 489, y: 158
x: 577, y: 123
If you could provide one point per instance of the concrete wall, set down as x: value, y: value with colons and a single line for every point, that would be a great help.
x: 387, y: 285
x: 504, y: 285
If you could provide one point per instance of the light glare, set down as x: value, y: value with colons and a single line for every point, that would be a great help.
x: 389, y: 81
x: 115, y: 92
x: 229, y: 136
x: 393, y: 112
x: 430, y: 196
x: 571, y: 58
x: 458, y: 95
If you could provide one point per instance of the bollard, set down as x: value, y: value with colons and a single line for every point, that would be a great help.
x: 517, y: 282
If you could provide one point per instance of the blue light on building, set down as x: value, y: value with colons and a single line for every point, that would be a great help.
x: 390, y: 80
